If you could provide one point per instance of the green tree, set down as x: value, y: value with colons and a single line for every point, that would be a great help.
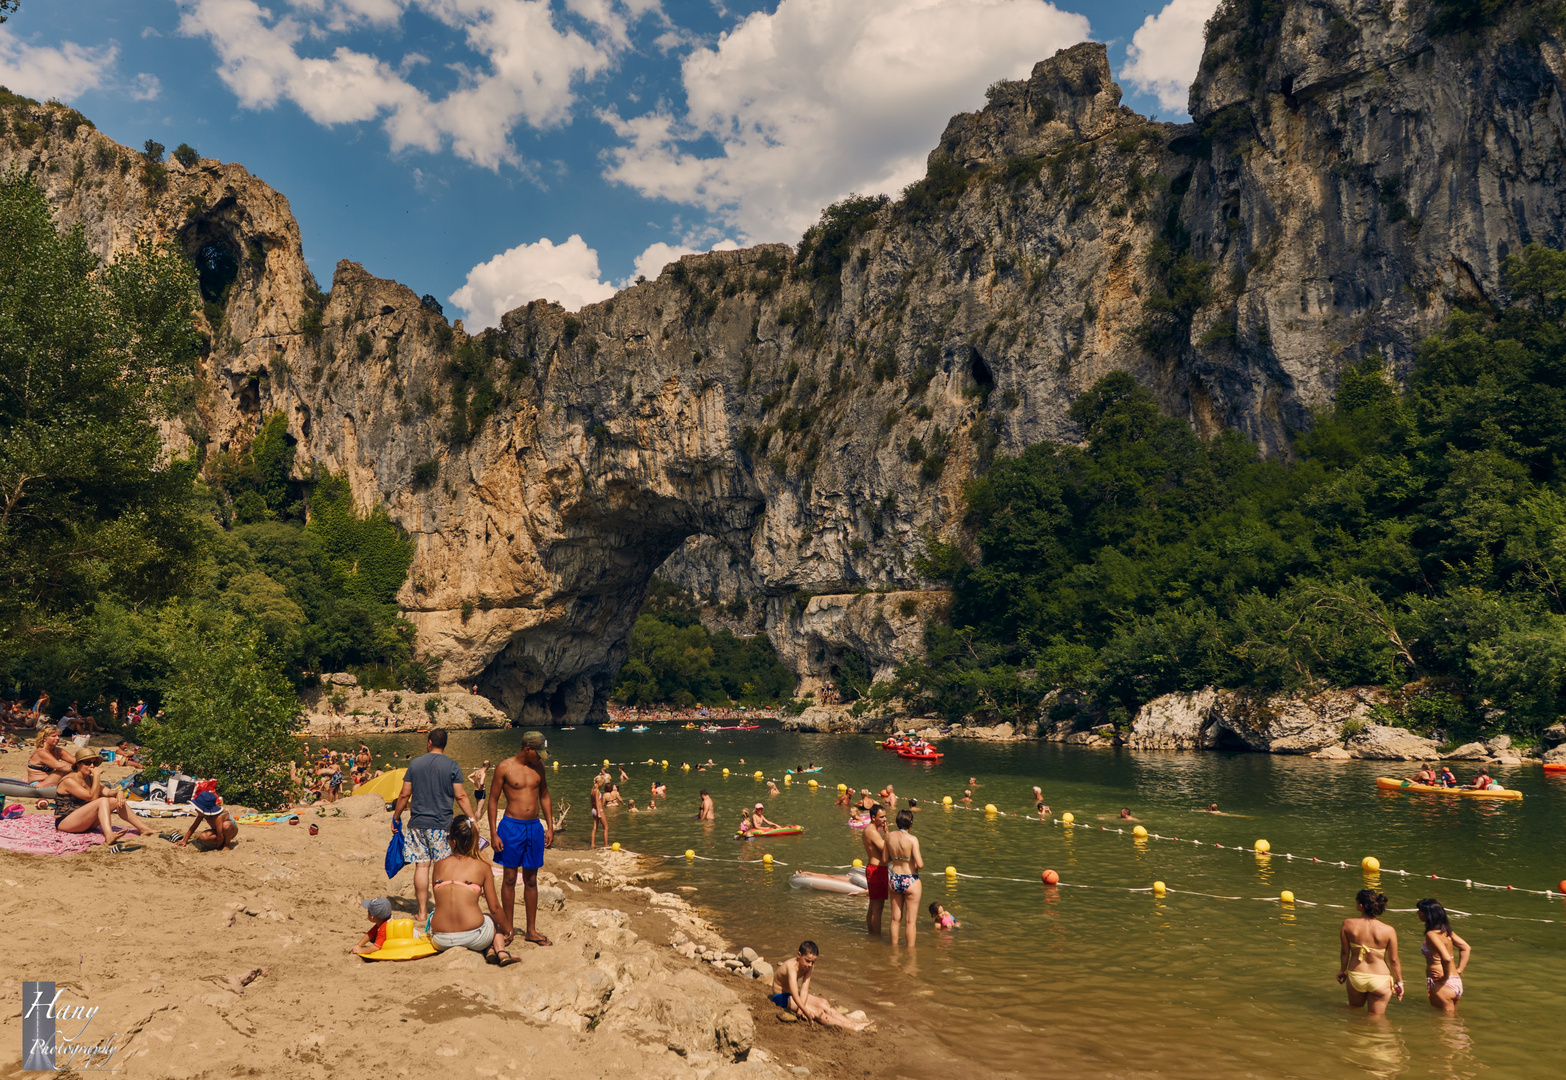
x: 229, y: 711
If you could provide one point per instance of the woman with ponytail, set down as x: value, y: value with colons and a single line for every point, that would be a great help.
x: 457, y: 922
x: 1443, y: 970
x: 1368, y: 964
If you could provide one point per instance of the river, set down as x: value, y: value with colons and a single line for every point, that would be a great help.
x: 1097, y: 977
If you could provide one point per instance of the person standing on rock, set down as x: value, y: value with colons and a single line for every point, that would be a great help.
x: 526, y: 829
x: 431, y: 784
x: 876, y: 881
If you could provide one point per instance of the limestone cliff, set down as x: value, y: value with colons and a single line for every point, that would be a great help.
x: 809, y: 416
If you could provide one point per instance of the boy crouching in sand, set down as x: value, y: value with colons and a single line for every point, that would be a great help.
x: 221, y: 827
x: 380, y: 911
x: 791, y: 991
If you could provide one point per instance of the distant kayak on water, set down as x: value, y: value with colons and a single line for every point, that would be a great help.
x: 1388, y: 783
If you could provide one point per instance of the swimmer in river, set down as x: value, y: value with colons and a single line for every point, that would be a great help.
x: 704, y: 809
x: 1368, y: 963
x: 772, y: 787
x: 1125, y: 814
x: 843, y: 798
x: 1443, y: 969
x: 944, y: 920
x: 973, y: 782
x: 967, y: 796
x: 1212, y: 808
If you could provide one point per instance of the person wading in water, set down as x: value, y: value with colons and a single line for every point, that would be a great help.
x: 874, y: 839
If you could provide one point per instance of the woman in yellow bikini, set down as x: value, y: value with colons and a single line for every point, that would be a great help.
x: 1367, y: 959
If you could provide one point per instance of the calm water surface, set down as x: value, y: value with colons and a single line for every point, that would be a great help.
x: 1104, y: 981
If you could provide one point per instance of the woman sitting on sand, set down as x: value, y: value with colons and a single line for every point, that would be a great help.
x: 48, y: 763
x: 82, y: 805
x: 1367, y: 956
x: 1443, y: 970
x: 456, y: 922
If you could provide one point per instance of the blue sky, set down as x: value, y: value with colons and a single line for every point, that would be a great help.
x: 493, y: 151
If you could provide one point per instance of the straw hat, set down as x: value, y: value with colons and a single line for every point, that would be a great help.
x: 87, y: 755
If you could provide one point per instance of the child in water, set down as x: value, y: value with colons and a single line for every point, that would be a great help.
x: 944, y: 920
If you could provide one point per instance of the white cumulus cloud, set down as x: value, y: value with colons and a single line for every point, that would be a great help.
x: 529, y: 61
x: 820, y: 98
x: 650, y: 263
x: 1166, y: 50
x: 566, y: 273
x: 42, y: 71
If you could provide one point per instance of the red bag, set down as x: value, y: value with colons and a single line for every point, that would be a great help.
x: 205, y: 785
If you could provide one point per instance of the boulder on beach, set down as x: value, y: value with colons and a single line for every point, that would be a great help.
x: 1468, y: 752
x: 1376, y: 742
x: 1292, y: 723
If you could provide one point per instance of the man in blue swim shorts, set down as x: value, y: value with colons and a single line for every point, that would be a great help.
x: 526, y: 828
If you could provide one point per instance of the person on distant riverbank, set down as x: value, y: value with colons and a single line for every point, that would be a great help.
x: 874, y: 839
x: 1443, y: 970
x: 527, y: 828
x: 595, y: 810
x: 705, y: 811
x: 1368, y: 963
x: 791, y: 991
x: 904, y: 861
x: 432, y: 782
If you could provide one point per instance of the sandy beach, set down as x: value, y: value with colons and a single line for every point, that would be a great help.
x: 237, y: 963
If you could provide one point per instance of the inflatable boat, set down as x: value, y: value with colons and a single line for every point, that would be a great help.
x: 1387, y: 783
x: 762, y: 834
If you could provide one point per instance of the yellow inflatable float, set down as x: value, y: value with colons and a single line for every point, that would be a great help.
x: 401, y: 944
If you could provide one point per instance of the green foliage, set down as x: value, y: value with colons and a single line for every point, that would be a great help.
x: 186, y: 155
x: 826, y: 244
x: 474, y: 396
x: 90, y: 360
x: 372, y: 554
x: 943, y: 184
x: 228, y: 712
x: 1418, y: 539
x: 675, y: 661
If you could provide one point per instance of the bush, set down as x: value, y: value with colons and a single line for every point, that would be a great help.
x: 152, y: 152
x: 425, y: 473
x: 229, y: 713
x: 186, y: 155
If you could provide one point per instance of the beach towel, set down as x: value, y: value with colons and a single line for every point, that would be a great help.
x: 158, y: 808
x: 35, y: 834
x: 267, y: 819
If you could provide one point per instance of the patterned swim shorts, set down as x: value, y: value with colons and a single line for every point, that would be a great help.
x: 425, y: 845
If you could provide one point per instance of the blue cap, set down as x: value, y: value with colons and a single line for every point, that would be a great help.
x: 206, y: 802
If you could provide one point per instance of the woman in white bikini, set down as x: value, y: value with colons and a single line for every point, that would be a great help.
x: 904, y: 861
x: 456, y: 921
x: 1443, y: 969
x: 1368, y: 963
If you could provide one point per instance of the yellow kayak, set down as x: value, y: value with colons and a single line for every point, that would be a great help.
x: 1387, y: 783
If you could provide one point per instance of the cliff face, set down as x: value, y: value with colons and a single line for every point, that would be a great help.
x: 765, y: 423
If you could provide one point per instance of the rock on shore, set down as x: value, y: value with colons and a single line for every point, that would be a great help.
x: 1237, y: 720
x: 403, y: 711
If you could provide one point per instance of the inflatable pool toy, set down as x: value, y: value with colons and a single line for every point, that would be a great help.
x: 611, y: 727
x: 401, y: 944
x: 858, y: 822
x: 21, y: 789
x: 761, y: 834
x: 1387, y: 783
x: 1559, y: 766
x: 639, y: 728
x: 387, y: 786
x: 848, y: 884
x: 802, y: 772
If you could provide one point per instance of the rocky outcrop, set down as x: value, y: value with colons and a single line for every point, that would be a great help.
x: 1379, y: 743
x: 811, y: 417
x: 338, y: 710
x: 1209, y: 719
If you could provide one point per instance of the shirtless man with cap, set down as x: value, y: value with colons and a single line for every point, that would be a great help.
x: 526, y: 829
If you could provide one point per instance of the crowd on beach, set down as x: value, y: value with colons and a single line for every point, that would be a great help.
x: 631, y: 714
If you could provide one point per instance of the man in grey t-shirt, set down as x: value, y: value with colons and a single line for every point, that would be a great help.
x: 432, y: 782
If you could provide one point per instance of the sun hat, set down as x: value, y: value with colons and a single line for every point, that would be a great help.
x: 89, y: 756
x: 206, y: 802
x: 761, y: 806
x: 379, y: 907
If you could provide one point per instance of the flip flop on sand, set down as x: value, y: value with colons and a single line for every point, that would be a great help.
x: 539, y: 940
x: 504, y: 958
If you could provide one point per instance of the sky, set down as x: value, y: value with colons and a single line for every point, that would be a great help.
x: 491, y: 152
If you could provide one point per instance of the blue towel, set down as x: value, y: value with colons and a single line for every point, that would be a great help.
x: 395, y: 859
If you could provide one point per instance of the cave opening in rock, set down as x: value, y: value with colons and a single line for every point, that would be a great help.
x: 1224, y: 739
x: 217, y: 268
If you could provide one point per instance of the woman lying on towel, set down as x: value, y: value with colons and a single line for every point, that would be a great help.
x: 82, y: 803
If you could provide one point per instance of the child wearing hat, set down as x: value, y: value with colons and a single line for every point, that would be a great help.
x: 380, y: 911
x: 221, y: 827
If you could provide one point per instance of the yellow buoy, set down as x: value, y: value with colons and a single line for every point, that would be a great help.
x: 1370, y: 864
x: 859, y: 862
x: 787, y: 780
x: 665, y: 764
x: 614, y: 846
x: 989, y: 808
x: 556, y: 764
x: 946, y: 800
x: 1067, y: 818
x: 690, y: 853
x: 1262, y: 847
x: 1140, y: 832
x: 1286, y: 897
x: 1159, y: 888
x: 842, y: 787
x: 812, y: 783
x: 606, y: 763
x: 725, y: 772
x: 951, y: 871
x: 757, y: 774
x: 767, y: 859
